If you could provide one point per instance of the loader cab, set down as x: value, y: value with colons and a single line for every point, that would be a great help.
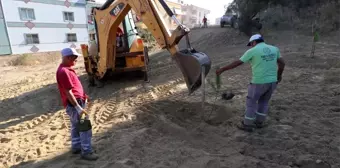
x: 134, y: 55
x: 129, y: 34
x: 130, y: 51
x: 129, y: 31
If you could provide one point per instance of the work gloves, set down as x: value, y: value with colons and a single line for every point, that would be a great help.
x: 80, y: 110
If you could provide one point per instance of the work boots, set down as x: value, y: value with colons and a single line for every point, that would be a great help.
x: 247, y: 128
x: 251, y: 128
x: 260, y: 124
x: 76, y: 151
x: 90, y: 156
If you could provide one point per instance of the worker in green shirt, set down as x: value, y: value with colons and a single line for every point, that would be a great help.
x: 267, y: 67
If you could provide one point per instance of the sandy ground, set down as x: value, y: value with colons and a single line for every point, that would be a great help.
x: 139, y: 125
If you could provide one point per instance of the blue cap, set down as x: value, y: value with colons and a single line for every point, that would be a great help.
x: 69, y: 52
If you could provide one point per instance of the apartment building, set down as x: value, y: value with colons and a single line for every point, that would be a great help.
x: 31, y: 26
x: 177, y: 10
x: 193, y: 15
x: 175, y: 7
x: 5, y: 47
x: 90, y: 19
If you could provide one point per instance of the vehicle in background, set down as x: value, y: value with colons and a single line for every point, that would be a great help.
x: 229, y: 19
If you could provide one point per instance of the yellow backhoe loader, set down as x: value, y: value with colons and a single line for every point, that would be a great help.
x: 107, y: 55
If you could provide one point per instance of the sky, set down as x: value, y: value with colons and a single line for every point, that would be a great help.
x: 216, y: 7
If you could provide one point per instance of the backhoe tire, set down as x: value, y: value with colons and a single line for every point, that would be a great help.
x: 100, y: 83
x: 146, y: 64
x: 91, y: 81
x: 146, y: 55
x: 146, y: 77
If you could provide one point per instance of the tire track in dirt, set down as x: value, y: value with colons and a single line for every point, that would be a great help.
x: 26, y: 126
x: 31, y: 124
x: 104, y: 113
x: 116, y: 106
x: 25, y: 133
x: 107, y: 111
x: 166, y: 69
x: 125, y: 103
x: 32, y: 143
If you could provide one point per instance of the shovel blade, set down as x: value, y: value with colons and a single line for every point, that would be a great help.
x: 190, y: 63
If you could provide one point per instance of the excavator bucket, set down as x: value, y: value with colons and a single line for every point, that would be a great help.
x: 191, y: 64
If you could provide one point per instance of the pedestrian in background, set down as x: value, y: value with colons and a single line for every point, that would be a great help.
x: 205, y: 20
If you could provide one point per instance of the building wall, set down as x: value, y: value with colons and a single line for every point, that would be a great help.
x: 177, y: 10
x: 193, y: 15
x: 90, y: 19
x: 49, y: 24
x: 5, y: 48
x: 200, y: 15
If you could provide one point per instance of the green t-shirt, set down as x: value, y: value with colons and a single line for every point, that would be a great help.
x: 263, y: 60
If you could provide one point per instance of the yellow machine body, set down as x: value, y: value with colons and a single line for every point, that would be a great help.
x: 103, y: 55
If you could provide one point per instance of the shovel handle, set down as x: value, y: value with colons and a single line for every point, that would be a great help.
x: 82, y: 117
x: 218, y: 80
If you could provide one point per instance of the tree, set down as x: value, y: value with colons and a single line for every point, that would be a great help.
x: 247, y: 10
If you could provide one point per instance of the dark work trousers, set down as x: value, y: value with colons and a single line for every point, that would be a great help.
x: 257, y: 102
x: 80, y: 140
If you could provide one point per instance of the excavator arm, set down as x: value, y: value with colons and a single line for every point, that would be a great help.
x: 111, y: 14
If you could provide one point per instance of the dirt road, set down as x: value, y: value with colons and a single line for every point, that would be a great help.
x: 138, y: 125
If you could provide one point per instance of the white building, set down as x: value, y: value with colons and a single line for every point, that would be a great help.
x: 90, y: 20
x: 42, y: 25
x: 193, y: 15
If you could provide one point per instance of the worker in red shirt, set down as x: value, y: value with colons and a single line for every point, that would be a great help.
x: 205, y: 22
x: 74, y: 100
x: 119, y: 35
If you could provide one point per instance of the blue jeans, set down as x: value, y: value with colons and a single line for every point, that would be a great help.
x: 257, y: 102
x: 80, y: 140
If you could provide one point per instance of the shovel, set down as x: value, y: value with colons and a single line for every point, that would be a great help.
x: 84, y: 124
x: 190, y: 63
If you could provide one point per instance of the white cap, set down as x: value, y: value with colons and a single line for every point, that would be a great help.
x: 69, y: 52
x: 254, y: 37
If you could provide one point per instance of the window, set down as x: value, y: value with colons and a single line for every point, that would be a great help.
x: 130, y: 28
x: 71, y: 37
x: 68, y: 16
x: 32, y: 39
x: 26, y: 14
